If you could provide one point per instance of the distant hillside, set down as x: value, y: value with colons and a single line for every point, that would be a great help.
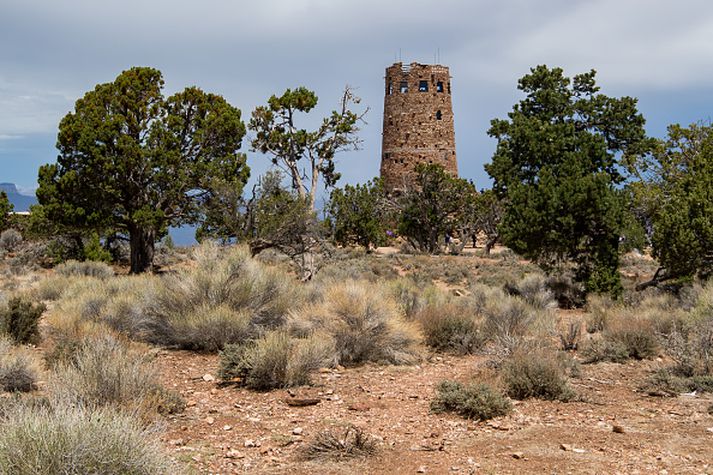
x: 20, y: 202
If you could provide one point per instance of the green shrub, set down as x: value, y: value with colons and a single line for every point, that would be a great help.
x: 276, y: 360
x: 667, y: 383
x: 533, y: 289
x: 604, y: 349
x: 18, y: 368
x: 41, y: 441
x: 450, y: 327
x: 328, y: 444
x: 94, y: 251
x: 537, y: 374
x: 475, y: 401
x: 623, y: 339
x: 20, y: 319
x: 99, y: 270
x: 364, y: 321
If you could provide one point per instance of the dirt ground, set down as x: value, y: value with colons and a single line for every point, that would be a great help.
x: 230, y: 430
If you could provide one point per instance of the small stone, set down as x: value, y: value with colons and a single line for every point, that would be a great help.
x: 177, y: 442
x: 710, y: 429
x: 617, y: 429
x: 359, y: 407
x: 208, y: 378
x: 421, y: 469
x: 190, y: 403
x: 253, y: 419
x: 210, y: 420
x: 518, y: 455
x: 297, y: 431
x: 234, y: 454
x: 249, y: 443
x: 227, y: 427
x: 566, y: 447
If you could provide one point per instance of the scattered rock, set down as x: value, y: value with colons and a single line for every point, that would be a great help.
x: 177, y: 442
x: 359, y: 406
x: 518, y: 455
x: 710, y: 429
x: 208, y: 378
x: 210, y: 420
x: 301, y: 402
x: 617, y: 429
x: 249, y: 443
x: 227, y: 427
x: 421, y: 469
x: 234, y: 454
x: 297, y: 431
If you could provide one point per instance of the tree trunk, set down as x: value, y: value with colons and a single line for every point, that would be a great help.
x: 141, y: 243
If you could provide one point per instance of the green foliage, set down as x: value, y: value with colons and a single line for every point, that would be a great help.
x: 20, y: 319
x: 357, y: 214
x: 681, y: 183
x: 95, y: 252
x: 5, y: 210
x: 134, y: 162
x: 451, y: 327
x: 308, y: 156
x: 476, y: 401
x: 436, y: 205
x: 560, y: 157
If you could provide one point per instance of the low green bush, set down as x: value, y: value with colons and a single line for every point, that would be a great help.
x: 537, y: 374
x: 20, y: 319
x: 474, y: 401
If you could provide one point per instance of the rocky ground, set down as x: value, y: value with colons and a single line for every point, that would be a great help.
x: 616, y: 429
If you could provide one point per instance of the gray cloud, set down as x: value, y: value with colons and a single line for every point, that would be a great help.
x: 52, y: 52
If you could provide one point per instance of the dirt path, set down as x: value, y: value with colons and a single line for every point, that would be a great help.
x: 229, y: 430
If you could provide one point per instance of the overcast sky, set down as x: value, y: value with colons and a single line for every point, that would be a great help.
x: 52, y: 52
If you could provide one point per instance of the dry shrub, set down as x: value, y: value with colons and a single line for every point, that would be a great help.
x: 104, y: 371
x: 53, y: 287
x: 97, y: 270
x: 412, y: 298
x: 228, y: 297
x: 599, y: 307
x: 19, y: 369
x: 533, y: 289
x: 451, y: 327
x: 667, y: 382
x: 364, y: 321
x: 537, y: 374
x: 625, y: 336
x: 37, y: 440
x: 329, y: 444
x: 474, y: 401
x: 10, y: 239
x: 569, y: 338
x: 276, y: 360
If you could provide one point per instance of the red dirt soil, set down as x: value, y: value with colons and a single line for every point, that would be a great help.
x: 231, y: 430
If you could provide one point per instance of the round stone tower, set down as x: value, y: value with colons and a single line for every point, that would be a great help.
x: 418, y: 122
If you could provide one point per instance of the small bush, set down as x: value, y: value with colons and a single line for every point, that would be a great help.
x: 667, y: 383
x: 18, y: 368
x: 276, y: 360
x: 476, y: 401
x: 566, y: 292
x: 229, y: 297
x: 452, y: 328
x: 328, y: 444
x: 52, y: 288
x: 106, y: 372
x: 569, y: 339
x: 540, y: 375
x: 365, y: 323
x: 623, y: 339
x: 534, y: 290
x: 10, y: 239
x: 41, y: 441
x: 20, y: 319
x: 99, y: 270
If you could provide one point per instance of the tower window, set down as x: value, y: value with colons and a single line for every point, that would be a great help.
x: 423, y: 86
x: 403, y: 87
x: 449, y: 87
x: 390, y: 88
x: 439, y: 115
x: 439, y: 86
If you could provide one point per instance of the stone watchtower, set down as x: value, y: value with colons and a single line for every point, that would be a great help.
x: 418, y: 122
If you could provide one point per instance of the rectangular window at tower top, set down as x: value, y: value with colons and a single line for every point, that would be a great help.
x: 439, y: 86
x: 423, y: 86
x: 403, y: 86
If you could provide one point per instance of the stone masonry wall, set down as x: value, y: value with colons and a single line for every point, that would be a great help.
x: 418, y: 122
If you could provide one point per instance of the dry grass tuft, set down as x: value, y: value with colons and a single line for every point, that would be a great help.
x: 351, y: 443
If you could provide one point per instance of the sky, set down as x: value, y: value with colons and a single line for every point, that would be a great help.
x: 52, y: 52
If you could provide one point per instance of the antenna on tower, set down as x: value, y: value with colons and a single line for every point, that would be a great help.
x: 400, y: 55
